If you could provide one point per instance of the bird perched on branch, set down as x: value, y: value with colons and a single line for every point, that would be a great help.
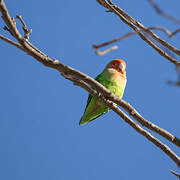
x: 113, y: 78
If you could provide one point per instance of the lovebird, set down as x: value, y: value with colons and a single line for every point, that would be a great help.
x: 113, y: 78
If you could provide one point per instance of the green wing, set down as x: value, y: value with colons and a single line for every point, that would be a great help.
x: 98, y: 78
x: 94, y: 108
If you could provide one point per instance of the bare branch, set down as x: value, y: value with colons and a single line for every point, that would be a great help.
x: 177, y: 83
x: 9, y: 22
x: 172, y: 83
x: 11, y: 42
x: 132, y: 111
x: 101, y: 53
x: 11, y: 27
x: 91, y: 85
x: 26, y: 31
x: 176, y: 31
x: 166, y: 31
x: 97, y: 46
x: 175, y: 173
x: 137, y: 26
x: 161, y: 12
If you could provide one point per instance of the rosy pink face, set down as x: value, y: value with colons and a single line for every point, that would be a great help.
x: 119, y: 65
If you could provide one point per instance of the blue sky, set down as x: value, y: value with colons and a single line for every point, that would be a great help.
x: 40, y: 110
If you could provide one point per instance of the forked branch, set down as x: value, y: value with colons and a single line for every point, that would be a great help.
x: 139, y: 29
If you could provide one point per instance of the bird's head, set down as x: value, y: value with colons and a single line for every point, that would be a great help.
x: 118, y: 65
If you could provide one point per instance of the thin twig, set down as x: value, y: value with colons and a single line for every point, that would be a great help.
x: 166, y: 31
x: 177, y: 83
x: 175, y: 173
x: 176, y: 31
x: 163, y: 13
x: 26, y: 30
x: 97, y: 46
x: 12, y: 42
x: 102, y: 53
x: 13, y: 29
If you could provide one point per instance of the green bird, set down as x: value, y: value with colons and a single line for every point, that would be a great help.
x: 113, y: 78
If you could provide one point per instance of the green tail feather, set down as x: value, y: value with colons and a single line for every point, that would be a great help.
x: 85, y: 119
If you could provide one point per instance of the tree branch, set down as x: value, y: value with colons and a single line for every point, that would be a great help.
x: 12, y: 42
x: 91, y: 85
x: 102, y: 53
x: 166, y: 31
x: 175, y: 173
x: 136, y: 26
x: 161, y: 12
x: 25, y: 29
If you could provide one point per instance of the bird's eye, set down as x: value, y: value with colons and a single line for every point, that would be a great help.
x: 113, y: 64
